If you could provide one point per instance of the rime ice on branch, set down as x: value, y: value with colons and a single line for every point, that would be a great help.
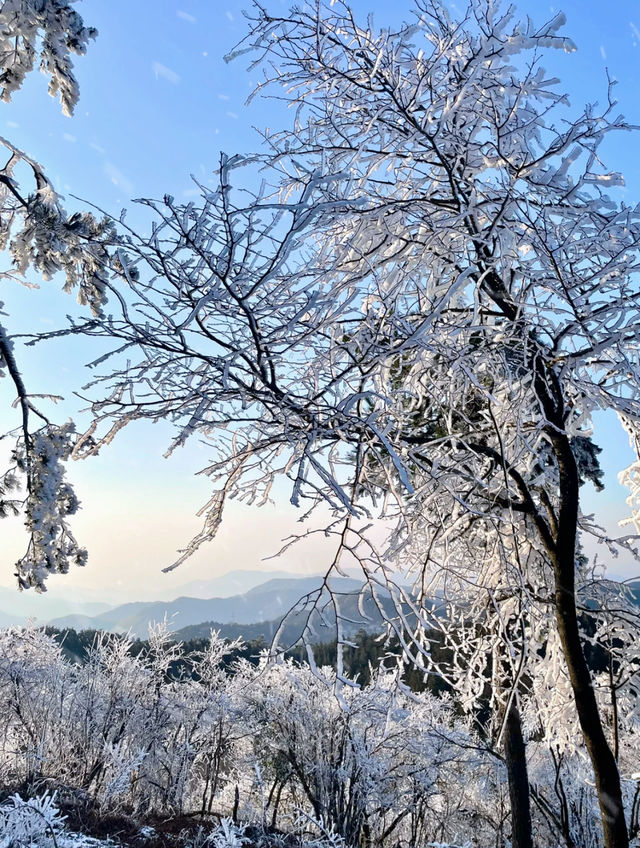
x: 419, y: 317
x: 39, y: 235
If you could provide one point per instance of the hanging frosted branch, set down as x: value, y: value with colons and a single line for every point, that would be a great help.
x: 39, y: 234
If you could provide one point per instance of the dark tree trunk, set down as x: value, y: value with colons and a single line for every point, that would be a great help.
x: 236, y: 804
x: 515, y: 756
x: 614, y: 708
x: 560, y: 537
x: 604, y: 765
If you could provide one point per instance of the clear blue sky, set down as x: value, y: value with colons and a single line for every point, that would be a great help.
x: 157, y: 104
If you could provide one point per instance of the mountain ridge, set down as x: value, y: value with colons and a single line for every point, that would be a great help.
x: 17, y: 608
x: 267, y: 602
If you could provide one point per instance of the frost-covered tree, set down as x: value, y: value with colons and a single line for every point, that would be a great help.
x: 418, y: 319
x: 505, y: 271
x: 38, y: 234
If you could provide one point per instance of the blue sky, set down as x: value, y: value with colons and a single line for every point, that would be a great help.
x: 158, y: 103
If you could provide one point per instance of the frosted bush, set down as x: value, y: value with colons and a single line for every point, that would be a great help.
x: 33, y: 823
x: 228, y: 835
x: 37, y: 823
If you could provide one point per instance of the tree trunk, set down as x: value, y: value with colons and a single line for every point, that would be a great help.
x: 604, y: 765
x: 515, y: 756
x: 614, y: 708
x: 560, y: 541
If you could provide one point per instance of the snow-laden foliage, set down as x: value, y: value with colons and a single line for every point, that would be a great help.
x: 416, y: 317
x: 50, y: 500
x: 34, y: 224
x: 228, y: 835
x: 272, y: 745
x: 35, y: 822
x: 51, y: 29
x: 41, y: 236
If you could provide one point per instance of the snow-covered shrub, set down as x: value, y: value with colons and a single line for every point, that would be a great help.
x: 37, y: 823
x: 35, y: 686
x: 228, y: 835
x: 34, y: 822
x: 118, y: 727
x: 376, y: 764
x: 121, y: 735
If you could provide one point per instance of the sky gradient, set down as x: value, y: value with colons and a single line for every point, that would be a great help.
x: 158, y: 103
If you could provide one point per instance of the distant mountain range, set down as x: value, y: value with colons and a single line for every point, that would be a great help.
x: 267, y: 602
x: 358, y: 611
x: 16, y: 608
x: 231, y: 583
x: 256, y: 612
